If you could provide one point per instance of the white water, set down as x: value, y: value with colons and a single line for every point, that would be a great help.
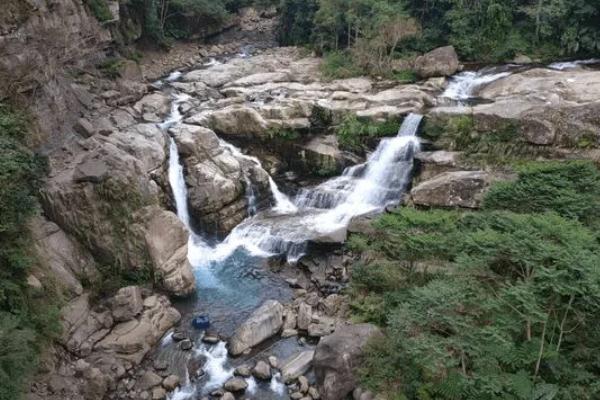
x: 324, y: 211
x: 465, y: 85
x: 177, y: 182
x: 276, y: 385
x: 563, y: 65
x: 215, y: 366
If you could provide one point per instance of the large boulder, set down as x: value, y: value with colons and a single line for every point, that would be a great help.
x: 127, y: 304
x: 336, y: 358
x: 217, y: 179
x: 453, y: 189
x: 167, y: 239
x: 263, y: 323
x: 442, y: 61
x: 297, y: 365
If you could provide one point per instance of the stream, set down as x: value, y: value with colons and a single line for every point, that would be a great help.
x: 233, y: 276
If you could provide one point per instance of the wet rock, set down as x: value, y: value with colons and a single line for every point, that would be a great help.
x: 210, y: 338
x: 442, y: 61
x: 289, y: 333
x: 235, y: 385
x: 160, y: 365
x: 243, y: 370
x: 228, y: 396
x: 171, y: 382
x: 178, y: 336
x: 186, y: 344
x: 296, y: 365
x: 336, y: 358
x: 262, y: 370
x: 453, y: 189
x: 262, y: 324
x: 273, y: 362
x: 296, y: 396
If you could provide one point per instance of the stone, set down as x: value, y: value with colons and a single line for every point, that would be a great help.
x: 171, y: 382
x: 210, y: 338
x: 304, y: 316
x: 34, y: 282
x: 243, y: 370
x: 262, y: 370
x: 84, y: 128
x: 289, y: 333
x: 303, y: 382
x: 296, y: 396
x: 453, y: 189
x: 148, y: 381
x: 314, y: 393
x: 127, y: 303
x: 336, y: 358
x: 262, y: 324
x: 228, y: 396
x: 296, y: 365
x: 235, y: 385
x: 442, y: 61
x: 160, y: 365
x: 159, y: 393
x: 273, y: 362
x: 186, y: 344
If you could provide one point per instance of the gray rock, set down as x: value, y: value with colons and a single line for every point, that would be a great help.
x: 442, y: 61
x: 159, y: 393
x: 84, y: 128
x: 228, y: 396
x: 148, y: 381
x: 263, y: 323
x: 186, y: 344
x: 235, y: 385
x: 336, y: 358
x: 303, y: 382
x: 243, y: 371
x: 262, y: 370
x: 296, y: 365
x: 171, y: 382
x: 304, y: 316
x: 127, y: 303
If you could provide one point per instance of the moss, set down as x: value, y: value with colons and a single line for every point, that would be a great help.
x: 353, y: 133
x: 405, y: 76
x: 111, y: 67
x: 283, y: 134
x: 100, y: 10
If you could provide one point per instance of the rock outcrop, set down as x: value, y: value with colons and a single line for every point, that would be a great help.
x: 336, y: 358
x: 442, y: 61
x: 263, y: 323
x: 217, y: 179
x: 464, y: 189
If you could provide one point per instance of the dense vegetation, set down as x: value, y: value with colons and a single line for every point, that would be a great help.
x: 375, y: 32
x: 28, y: 316
x: 496, y: 304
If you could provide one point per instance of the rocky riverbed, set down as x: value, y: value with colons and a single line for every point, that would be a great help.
x: 110, y: 200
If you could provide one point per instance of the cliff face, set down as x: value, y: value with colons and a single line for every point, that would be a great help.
x: 42, y: 43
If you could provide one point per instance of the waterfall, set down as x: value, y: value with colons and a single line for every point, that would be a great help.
x: 250, y: 196
x: 325, y: 211
x: 177, y: 182
x: 464, y: 85
x: 563, y: 65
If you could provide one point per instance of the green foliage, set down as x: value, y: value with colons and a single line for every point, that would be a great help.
x: 283, y: 134
x: 353, y: 132
x: 484, y: 30
x: 499, y: 323
x: 28, y: 318
x: 100, y: 9
x: 339, y: 65
x: 488, y: 305
x: 571, y: 189
x: 405, y: 76
x: 111, y: 67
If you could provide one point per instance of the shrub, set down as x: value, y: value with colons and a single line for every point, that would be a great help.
x: 100, y: 10
x: 352, y: 133
x: 339, y: 65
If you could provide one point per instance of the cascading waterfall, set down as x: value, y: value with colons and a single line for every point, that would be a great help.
x: 250, y: 196
x: 463, y: 86
x: 287, y: 228
x: 563, y: 65
x: 177, y: 182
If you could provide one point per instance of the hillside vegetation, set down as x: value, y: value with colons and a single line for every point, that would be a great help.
x: 496, y: 304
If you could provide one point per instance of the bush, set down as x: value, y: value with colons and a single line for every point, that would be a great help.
x: 495, y: 325
x: 571, y: 189
x: 28, y: 318
x: 339, y: 65
x: 353, y: 133
x: 100, y: 10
